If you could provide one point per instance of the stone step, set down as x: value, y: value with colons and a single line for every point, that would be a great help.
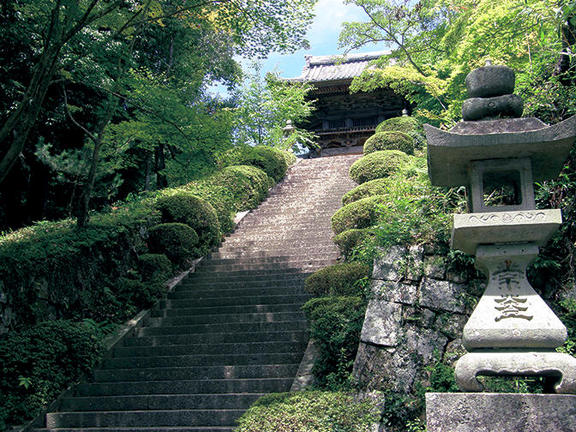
x: 215, y: 338
x: 256, y: 317
x: 149, y: 418
x: 297, y: 266
x: 161, y: 402
x: 219, y: 310
x: 200, y: 360
x: 243, y: 275
x: 253, y: 385
x: 272, y: 260
x: 221, y: 285
x: 162, y: 330
x: 198, y: 372
x: 224, y: 348
x: 230, y: 301
x: 248, y: 291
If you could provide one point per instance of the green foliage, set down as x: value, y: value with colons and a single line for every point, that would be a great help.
x: 219, y: 196
x: 408, y: 125
x: 358, y: 214
x: 154, y: 267
x: 177, y: 241
x: 247, y: 184
x: 309, y: 411
x: 38, y: 363
x: 264, y: 107
x: 377, y: 165
x: 389, y: 141
x: 336, y: 323
x: 365, y: 190
x: 338, y: 280
x: 351, y: 239
x: 289, y: 157
x: 270, y: 160
x: 196, y: 213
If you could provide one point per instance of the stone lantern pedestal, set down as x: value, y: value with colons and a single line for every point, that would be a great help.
x: 512, y: 331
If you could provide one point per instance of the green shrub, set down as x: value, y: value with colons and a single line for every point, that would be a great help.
x: 359, y: 214
x: 40, y: 362
x: 177, y: 241
x: 408, y: 125
x: 309, y: 411
x: 196, y: 213
x: 270, y: 160
x: 335, y: 325
x: 137, y: 295
x: 393, y: 140
x: 376, y: 165
x: 365, y: 190
x: 154, y: 267
x: 220, y: 197
x: 338, y: 280
x: 350, y: 239
x: 249, y: 185
x: 289, y: 157
x: 404, y: 124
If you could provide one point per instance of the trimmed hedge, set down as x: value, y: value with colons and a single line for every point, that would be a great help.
x: 154, y: 267
x: 177, y: 241
x: 219, y: 196
x: 38, y: 363
x: 359, y: 214
x: 196, y: 213
x: 247, y: 184
x: 365, y: 190
x: 350, y: 239
x: 393, y: 140
x: 376, y: 165
x: 404, y: 124
x: 335, y: 325
x: 408, y: 125
x: 270, y: 160
x: 309, y: 411
x: 338, y: 280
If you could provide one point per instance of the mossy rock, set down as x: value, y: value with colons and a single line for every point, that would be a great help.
x: 195, y: 212
x: 393, y: 140
x: 365, y: 190
x: 248, y: 185
x: 177, y: 241
x: 350, y: 239
x: 359, y: 214
x: 270, y: 160
x: 154, y: 267
x: 338, y: 280
x: 379, y: 164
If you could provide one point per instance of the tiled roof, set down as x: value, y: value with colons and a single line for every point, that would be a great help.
x: 335, y: 67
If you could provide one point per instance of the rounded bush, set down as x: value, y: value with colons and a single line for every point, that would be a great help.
x: 177, y: 241
x: 389, y: 141
x: 350, y: 239
x: 270, y: 160
x: 365, y: 190
x: 195, y: 212
x: 376, y: 165
x: 289, y: 157
x: 359, y: 214
x: 313, y: 411
x: 247, y: 184
x: 154, y: 267
x: 404, y: 124
x: 220, y: 197
x: 338, y: 280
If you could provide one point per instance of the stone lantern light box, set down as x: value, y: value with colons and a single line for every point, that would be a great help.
x: 498, y: 156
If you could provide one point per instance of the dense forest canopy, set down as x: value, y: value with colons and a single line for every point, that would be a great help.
x: 102, y: 98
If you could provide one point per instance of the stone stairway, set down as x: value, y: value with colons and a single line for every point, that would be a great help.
x: 229, y: 333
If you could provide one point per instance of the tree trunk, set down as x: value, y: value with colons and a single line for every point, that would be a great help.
x: 161, y: 181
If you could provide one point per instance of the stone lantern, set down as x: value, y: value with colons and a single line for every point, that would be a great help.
x: 498, y: 156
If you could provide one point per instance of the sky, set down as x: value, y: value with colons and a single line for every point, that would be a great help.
x: 323, y: 38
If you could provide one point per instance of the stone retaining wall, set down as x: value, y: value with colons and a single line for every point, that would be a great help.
x: 414, y: 318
